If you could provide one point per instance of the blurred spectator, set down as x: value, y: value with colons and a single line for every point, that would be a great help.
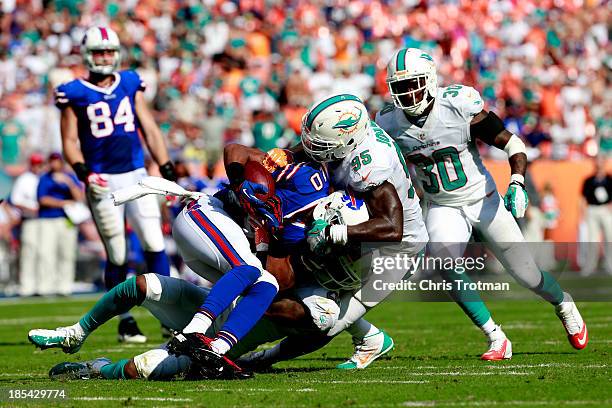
x: 12, y: 133
x: 597, y: 194
x: 268, y: 132
x: 24, y: 199
x: 211, y: 66
x: 8, y: 219
x: 57, y: 189
x: 550, y: 210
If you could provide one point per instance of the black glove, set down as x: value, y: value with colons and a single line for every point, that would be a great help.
x: 167, y: 171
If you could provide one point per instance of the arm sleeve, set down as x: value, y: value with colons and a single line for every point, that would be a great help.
x: 62, y: 99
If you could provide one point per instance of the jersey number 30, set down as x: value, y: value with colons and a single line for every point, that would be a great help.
x: 102, y: 125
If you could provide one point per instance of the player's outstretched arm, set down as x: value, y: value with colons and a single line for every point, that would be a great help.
x: 153, y: 137
x: 489, y: 128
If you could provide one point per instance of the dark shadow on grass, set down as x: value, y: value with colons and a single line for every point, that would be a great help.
x: 289, y: 370
x: 15, y: 343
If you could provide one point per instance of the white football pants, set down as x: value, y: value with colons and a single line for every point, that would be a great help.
x: 143, y: 215
x: 450, y: 229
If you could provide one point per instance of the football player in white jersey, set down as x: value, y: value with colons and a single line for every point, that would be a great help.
x: 436, y: 129
x: 361, y: 158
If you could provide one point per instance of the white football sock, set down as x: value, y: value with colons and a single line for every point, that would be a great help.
x: 220, y: 346
x: 489, y: 327
x: 361, y: 329
x: 199, y: 324
x: 78, y: 330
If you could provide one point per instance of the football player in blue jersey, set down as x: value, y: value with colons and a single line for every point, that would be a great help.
x: 101, y: 117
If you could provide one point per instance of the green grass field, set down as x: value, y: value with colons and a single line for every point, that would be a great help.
x: 435, y: 363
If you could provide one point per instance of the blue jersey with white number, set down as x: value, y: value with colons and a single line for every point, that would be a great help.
x: 107, y: 121
x: 300, y: 187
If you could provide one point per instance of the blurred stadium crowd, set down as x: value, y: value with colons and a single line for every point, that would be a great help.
x: 245, y: 70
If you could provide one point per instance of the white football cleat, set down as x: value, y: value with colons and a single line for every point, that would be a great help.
x: 500, y: 348
x: 575, y: 327
x: 79, y: 371
x: 66, y: 338
x: 368, y: 350
x: 129, y: 332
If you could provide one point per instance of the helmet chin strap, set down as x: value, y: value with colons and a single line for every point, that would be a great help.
x: 420, y: 119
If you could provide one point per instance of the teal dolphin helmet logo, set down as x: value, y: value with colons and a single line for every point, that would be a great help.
x: 347, y: 122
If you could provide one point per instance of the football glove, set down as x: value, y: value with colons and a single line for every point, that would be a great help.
x: 97, y: 185
x: 270, y: 208
x: 318, y: 236
x: 516, y: 199
x: 168, y: 171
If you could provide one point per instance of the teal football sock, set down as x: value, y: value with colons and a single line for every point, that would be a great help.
x: 469, y: 300
x: 114, y: 371
x: 118, y: 300
x: 549, y: 289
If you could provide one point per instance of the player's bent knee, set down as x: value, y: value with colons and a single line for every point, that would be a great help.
x: 158, y: 364
x: 249, y: 274
x: 269, y: 278
x: 324, y: 312
x: 153, y: 287
x: 130, y: 371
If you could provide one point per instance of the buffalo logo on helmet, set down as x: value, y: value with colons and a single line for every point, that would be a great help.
x: 351, y: 202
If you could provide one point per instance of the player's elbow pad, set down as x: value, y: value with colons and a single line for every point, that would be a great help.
x: 515, y: 145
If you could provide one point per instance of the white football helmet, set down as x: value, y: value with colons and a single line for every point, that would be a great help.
x: 334, y: 126
x: 341, y: 207
x: 412, y: 80
x: 100, y: 38
x: 339, y: 272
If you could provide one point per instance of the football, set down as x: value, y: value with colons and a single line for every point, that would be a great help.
x: 255, y: 172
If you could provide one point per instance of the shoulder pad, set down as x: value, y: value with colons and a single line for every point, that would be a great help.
x: 465, y: 99
x: 133, y: 79
x: 65, y: 93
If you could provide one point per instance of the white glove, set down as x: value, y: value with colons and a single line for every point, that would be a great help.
x: 97, y: 185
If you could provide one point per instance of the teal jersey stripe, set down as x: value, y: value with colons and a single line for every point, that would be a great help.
x: 327, y: 103
x: 401, y: 60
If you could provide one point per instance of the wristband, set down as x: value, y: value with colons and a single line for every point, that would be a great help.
x: 167, y: 171
x: 82, y: 171
x: 518, y: 178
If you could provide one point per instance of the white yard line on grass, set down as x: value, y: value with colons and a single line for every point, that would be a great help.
x: 456, y: 373
x: 366, y: 381
x: 42, y: 300
x: 35, y: 319
x: 251, y: 390
x: 161, y: 399
x: 29, y: 374
x: 501, y: 403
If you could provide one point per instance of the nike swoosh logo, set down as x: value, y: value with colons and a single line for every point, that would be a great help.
x: 364, y: 359
x: 364, y: 178
x: 581, y: 340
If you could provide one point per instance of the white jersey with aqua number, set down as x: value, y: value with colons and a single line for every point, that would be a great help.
x: 376, y: 160
x: 446, y: 158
